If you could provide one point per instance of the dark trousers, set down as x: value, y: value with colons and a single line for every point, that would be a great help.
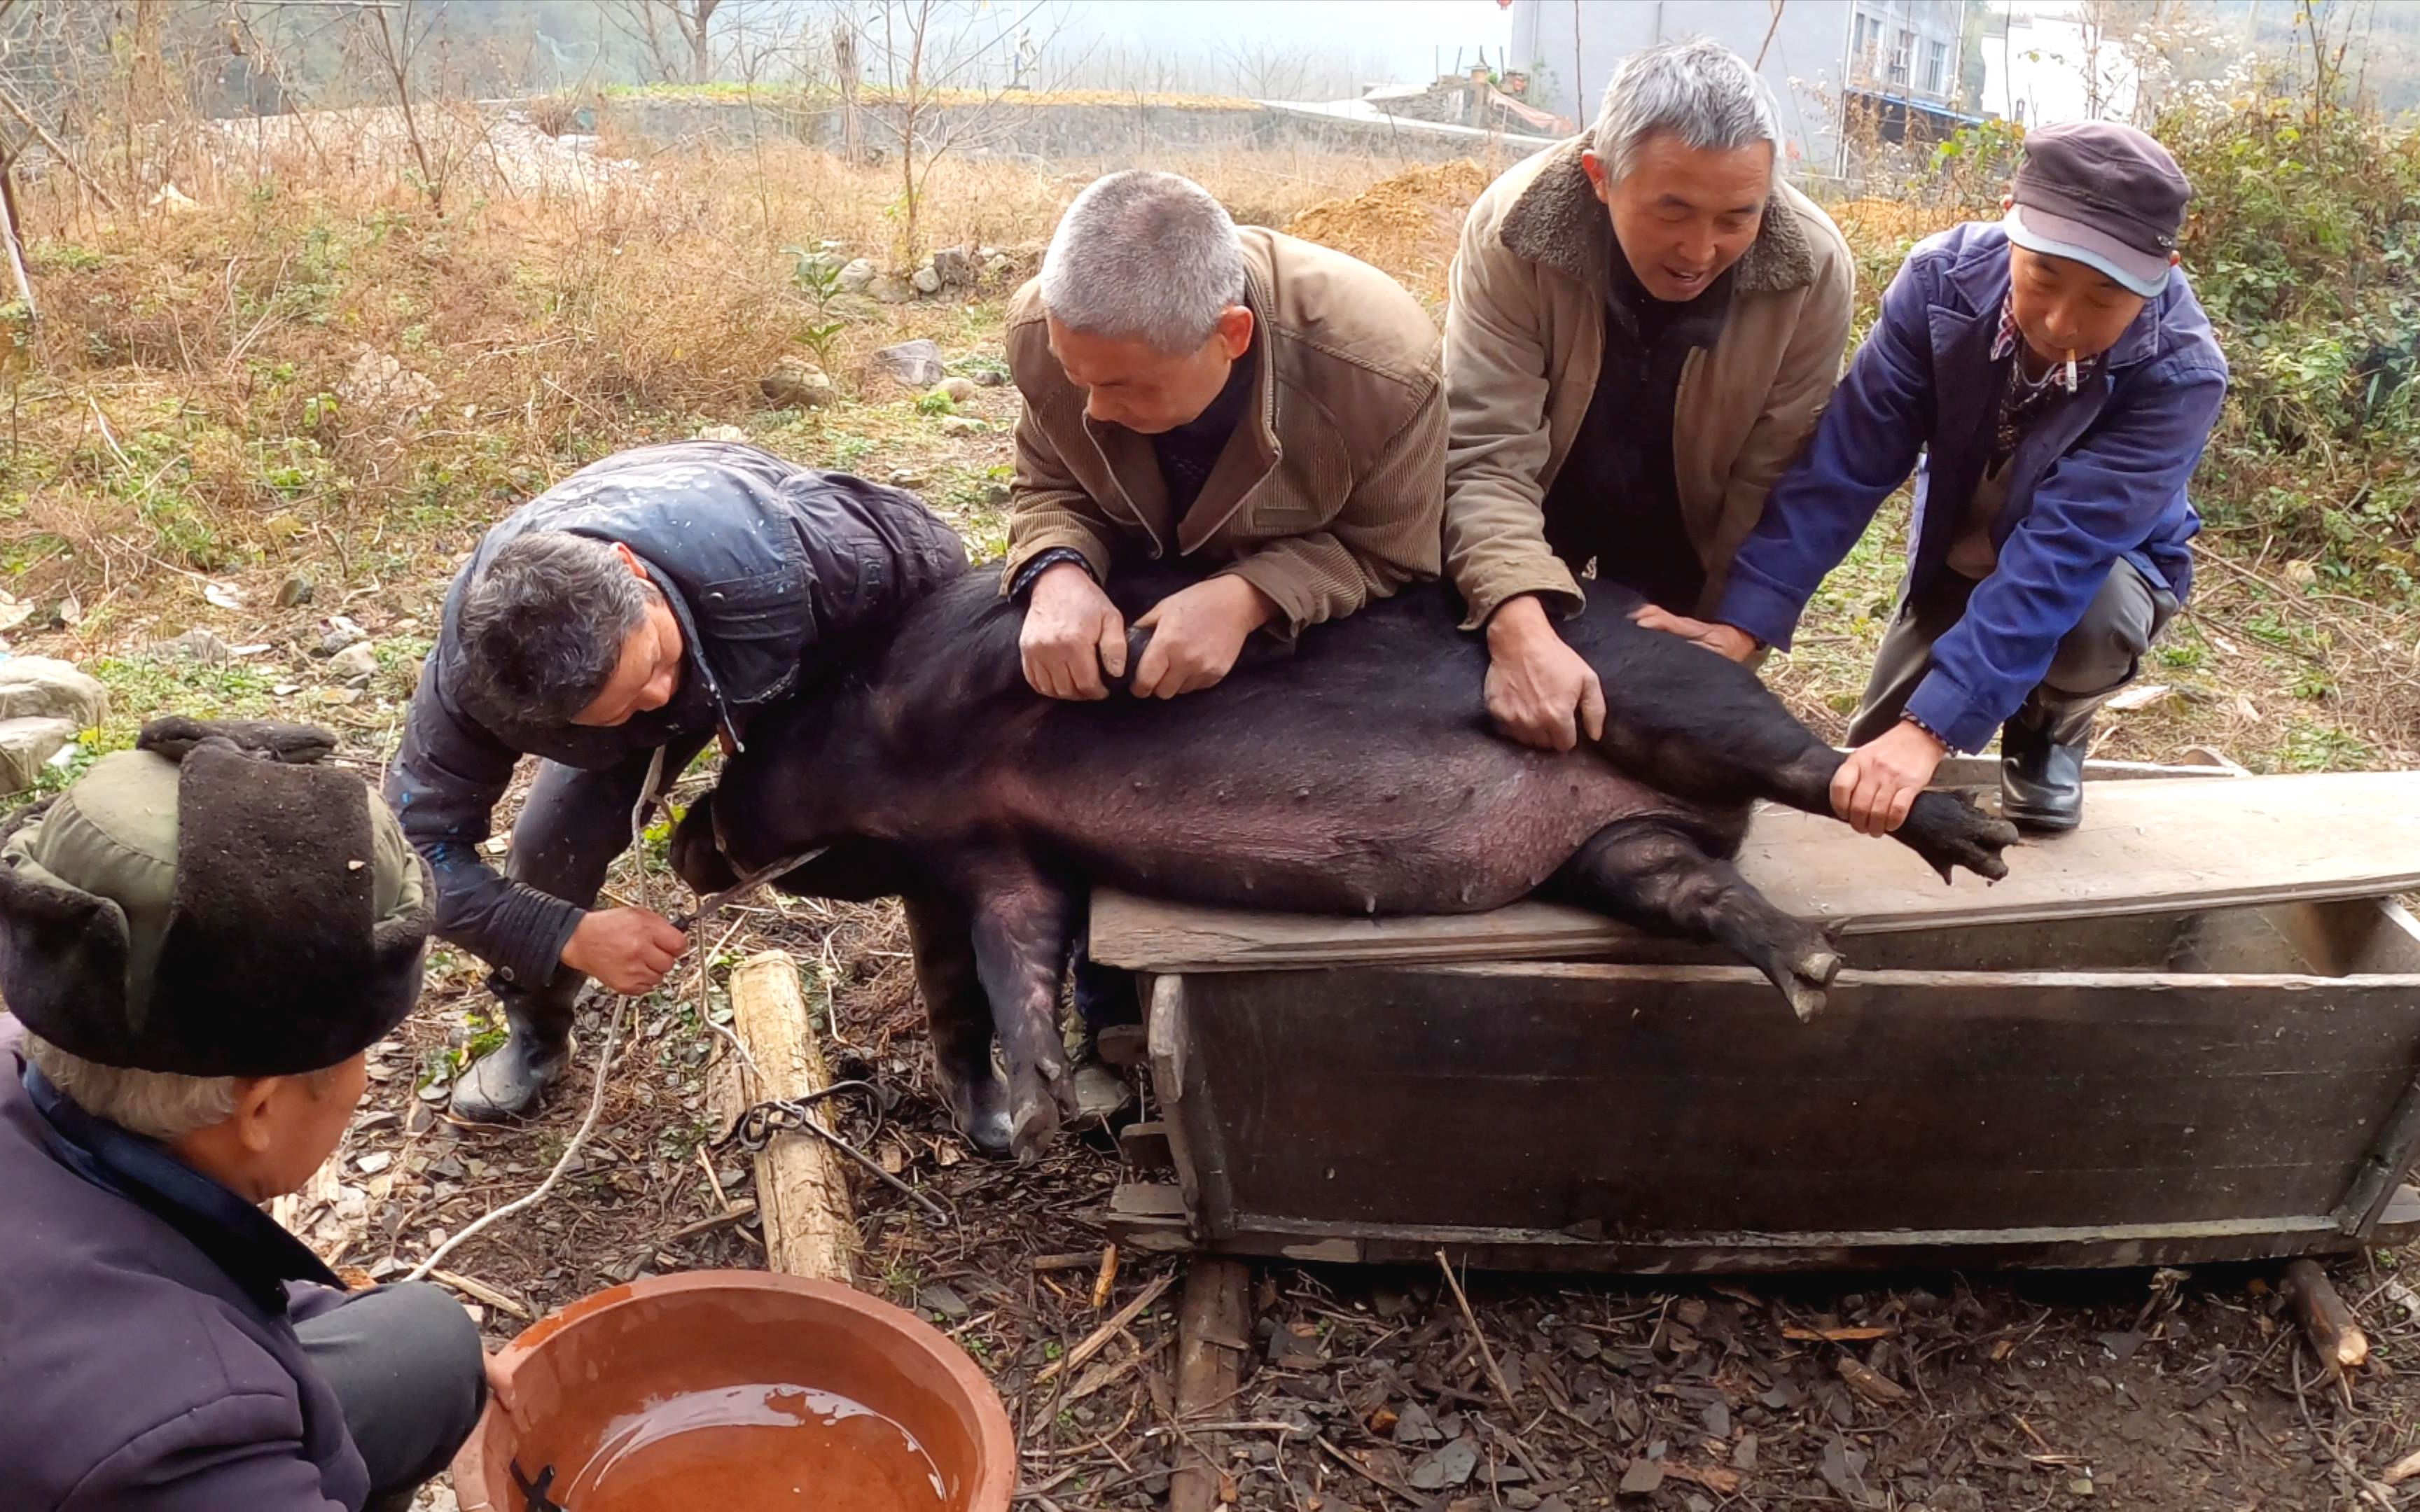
x: 407, y: 1366
x: 2095, y: 660
x: 573, y: 825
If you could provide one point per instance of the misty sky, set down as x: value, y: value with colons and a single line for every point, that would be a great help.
x: 1394, y: 38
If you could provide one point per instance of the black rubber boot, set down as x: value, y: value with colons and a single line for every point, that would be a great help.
x: 2042, y: 765
x: 510, y: 1081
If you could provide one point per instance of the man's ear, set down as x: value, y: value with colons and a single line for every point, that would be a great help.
x: 631, y: 561
x: 253, y: 1097
x: 1594, y: 167
x: 1235, y: 335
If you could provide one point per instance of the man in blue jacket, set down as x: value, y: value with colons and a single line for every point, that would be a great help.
x: 2060, y: 380
x: 643, y: 607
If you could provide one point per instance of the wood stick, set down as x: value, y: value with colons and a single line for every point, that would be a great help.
x: 1478, y: 1339
x: 58, y: 149
x: 1216, y: 1306
x: 2401, y: 1470
x: 803, y: 1191
x: 1108, y: 1278
x: 478, y: 1290
x: 2335, y: 1333
x: 1098, y: 1338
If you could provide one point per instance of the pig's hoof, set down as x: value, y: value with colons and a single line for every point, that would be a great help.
x: 1805, y: 979
x: 979, y: 1106
x: 1033, y: 1124
x: 1949, y: 831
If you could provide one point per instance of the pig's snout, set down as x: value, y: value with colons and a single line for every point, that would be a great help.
x: 696, y: 854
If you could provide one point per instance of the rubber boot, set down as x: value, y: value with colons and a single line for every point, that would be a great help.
x: 2042, y: 764
x: 510, y: 1081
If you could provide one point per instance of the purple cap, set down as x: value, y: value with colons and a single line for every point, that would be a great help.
x: 2102, y: 195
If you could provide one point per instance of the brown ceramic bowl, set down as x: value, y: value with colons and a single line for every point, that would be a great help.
x: 624, y: 1349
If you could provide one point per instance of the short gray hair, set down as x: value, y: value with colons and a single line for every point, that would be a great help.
x: 157, y: 1104
x: 543, y: 623
x: 1701, y: 92
x: 1145, y: 257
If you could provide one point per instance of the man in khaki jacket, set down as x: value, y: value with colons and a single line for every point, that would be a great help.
x: 1645, y: 324
x: 1269, y: 408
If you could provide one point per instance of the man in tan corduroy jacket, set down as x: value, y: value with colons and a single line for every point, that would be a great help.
x: 1645, y: 325
x: 1267, y: 408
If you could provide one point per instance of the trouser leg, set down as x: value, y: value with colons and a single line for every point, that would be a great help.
x: 2043, y: 744
x: 573, y: 825
x: 406, y: 1365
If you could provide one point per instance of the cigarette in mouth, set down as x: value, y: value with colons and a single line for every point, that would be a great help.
x: 2071, y: 370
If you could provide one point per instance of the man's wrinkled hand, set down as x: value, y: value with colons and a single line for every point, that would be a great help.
x: 1072, y: 634
x: 1723, y: 639
x: 1196, y: 635
x: 627, y: 950
x: 1876, y: 786
x: 1540, y: 691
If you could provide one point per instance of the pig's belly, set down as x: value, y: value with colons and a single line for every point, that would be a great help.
x: 1463, y: 833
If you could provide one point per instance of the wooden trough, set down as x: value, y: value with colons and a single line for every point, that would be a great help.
x: 2188, y: 1032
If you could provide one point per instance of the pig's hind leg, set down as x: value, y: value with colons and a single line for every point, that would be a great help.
x: 1655, y: 875
x: 1024, y: 922
x: 941, y: 932
x: 1691, y: 723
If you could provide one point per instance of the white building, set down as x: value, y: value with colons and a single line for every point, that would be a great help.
x: 1897, y: 61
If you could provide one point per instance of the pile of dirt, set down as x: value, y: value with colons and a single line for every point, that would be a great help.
x: 1407, y: 224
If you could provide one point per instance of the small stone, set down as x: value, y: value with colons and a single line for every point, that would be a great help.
x: 25, y: 745
x: 960, y: 390
x: 1581, y: 1345
x: 1743, y: 1453
x: 436, y: 1092
x: 2079, y: 1487
x: 916, y: 363
x: 297, y: 589
x: 339, y: 697
x: 1717, y: 1418
x: 856, y: 273
x: 998, y: 267
x: 962, y: 425
x: 357, y: 661
x: 45, y: 688
x: 1415, y: 1425
x: 889, y: 289
x: 1449, y: 1467
x: 954, y: 267
x: 375, y: 1161
x: 944, y: 1302
x: 197, y: 644
x: 926, y: 280
x: 1642, y: 1476
x: 797, y: 383
x: 906, y: 478
x: 999, y: 493
x: 342, y: 632
x: 1521, y: 1499
x: 723, y: 433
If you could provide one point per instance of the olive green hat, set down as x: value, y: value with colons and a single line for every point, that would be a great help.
x: 213, y: 904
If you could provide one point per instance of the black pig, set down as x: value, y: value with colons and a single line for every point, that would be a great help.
x: 1356, y: 772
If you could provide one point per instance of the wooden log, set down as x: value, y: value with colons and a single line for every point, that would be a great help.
x: 803, y: 1191
x: 1212, y: 1322
x: 2335, y: 1333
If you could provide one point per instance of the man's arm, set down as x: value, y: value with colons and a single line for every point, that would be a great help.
x: 1049, y: 509
x: 2093, y: 505
x: 1384, y: 536
x: 242, y: 1450
x: 1802, y: 387
x: 1864, y: 447
x: 1497, y: 444
x: 443, y: 789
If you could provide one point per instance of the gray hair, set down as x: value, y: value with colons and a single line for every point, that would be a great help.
x: 155, y: 1104
x: 1145, y: 257
x: 1701, y: 92
x: 544, y: 622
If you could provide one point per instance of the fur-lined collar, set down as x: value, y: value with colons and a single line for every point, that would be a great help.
x: 1559, y: 222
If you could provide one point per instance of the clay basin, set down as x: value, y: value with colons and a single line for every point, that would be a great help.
x: 738, y: 1391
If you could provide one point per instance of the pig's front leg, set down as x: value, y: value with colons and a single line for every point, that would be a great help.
x: 1023, y: 924
x: 941, y: 932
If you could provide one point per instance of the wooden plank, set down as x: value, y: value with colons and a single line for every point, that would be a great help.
x: 2145, y: 847
x: 2139, y: 1245
x: 803, y: 1191
x: 1684, y: 1098
x: 1214, y: 1319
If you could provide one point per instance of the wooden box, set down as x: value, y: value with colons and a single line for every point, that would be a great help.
x: 2138, y: 1088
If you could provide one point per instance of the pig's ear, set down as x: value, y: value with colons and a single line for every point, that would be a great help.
x: 697, y: 854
